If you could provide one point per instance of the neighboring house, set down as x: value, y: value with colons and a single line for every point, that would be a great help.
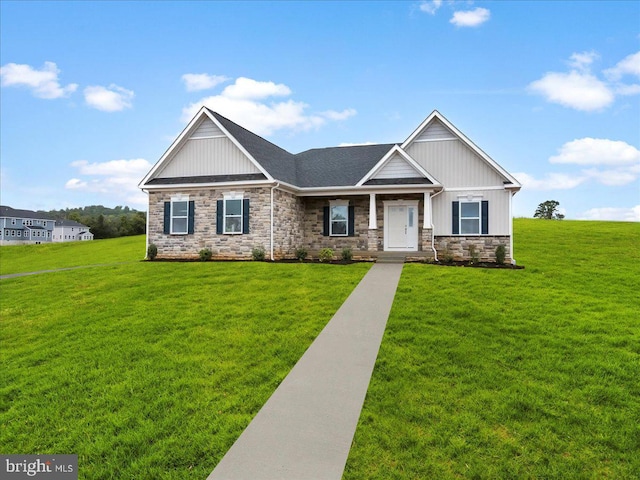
x: 70, y: 231
x: 222, y: 187
x: 24, y: 226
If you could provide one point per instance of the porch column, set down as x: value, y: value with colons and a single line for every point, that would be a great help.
x: 373, y: 216
x: 426, y: 223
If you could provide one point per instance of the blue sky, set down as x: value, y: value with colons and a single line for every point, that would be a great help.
x: 92, y: 93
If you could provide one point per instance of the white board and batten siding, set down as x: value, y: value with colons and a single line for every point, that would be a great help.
x: 396, y: 167
x: 499, y: 219
x: 207, y: 152
x: 454, y: 164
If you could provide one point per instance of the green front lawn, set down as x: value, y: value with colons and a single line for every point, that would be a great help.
x: 530, y: 373
x: 152, y: 370
x: 47, y: 256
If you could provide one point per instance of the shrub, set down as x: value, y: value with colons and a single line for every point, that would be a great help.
x: 475, y: 258
x: 501, y: 253
x: 205, y: 254
x: 347, y: 254
x: 258, y: 254
x: 152, y: 251
x: 325, y: 255
x: 301, y: 253
x: 447, y: 256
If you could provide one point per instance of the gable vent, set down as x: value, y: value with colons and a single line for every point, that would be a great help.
x: 207, y: 129
x: 435, y: 131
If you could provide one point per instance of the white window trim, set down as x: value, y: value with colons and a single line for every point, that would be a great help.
x: 232, y: 196
x: 174, y: 199
x: 338, y: 203
x: 479, y: 217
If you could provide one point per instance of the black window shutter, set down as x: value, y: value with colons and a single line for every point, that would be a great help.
x: 219, y: 216
x: 485, y: 217
x: 325, y: 221
x: 455, y: 226
x: 192, y: 215
x: 351, y: 221
x: 245, y: 215
x: 167, y: 218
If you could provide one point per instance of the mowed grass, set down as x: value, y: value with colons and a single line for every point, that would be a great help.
x: 152, y: 370
x: 47, y: 256
x: 530, y: 373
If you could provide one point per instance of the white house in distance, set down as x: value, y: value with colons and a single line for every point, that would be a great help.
x: 70, y: 231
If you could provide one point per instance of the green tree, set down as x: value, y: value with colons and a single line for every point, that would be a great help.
x: 548, y: 210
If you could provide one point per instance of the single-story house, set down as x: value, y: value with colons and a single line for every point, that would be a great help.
x: 222, y: 187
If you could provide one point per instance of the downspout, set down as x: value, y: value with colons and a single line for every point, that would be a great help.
x: 147, y: 232
x: 433, y: 233
x: 271, y: 246
x: 513, y: 260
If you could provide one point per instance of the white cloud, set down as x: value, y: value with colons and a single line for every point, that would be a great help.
x: 470, y: 18
x: 202, y: 81
x: 75, y: 184
x: 582, y: 61
x: 608, y: 213
x: 343, y: 115
x: 347, y: 144
x: 630, y: 65
x: 43, y: 83
x: 430, y: 7
x: 612, y: 178
x: 551, y: 181
x: 249, y: 89
x: 578, y: 90
x: 582, y: 90
x: 596, y: 151
x: 115, y: 179
x: 108, y: 99
x: 249, y: 102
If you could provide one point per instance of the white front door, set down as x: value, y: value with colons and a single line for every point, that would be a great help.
x: 401, y: 226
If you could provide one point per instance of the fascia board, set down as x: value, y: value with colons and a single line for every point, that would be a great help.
x: 177, y: 142
x: 465, y: 140
x: 350, y: 190
x: 377, y: 166
x: 380, y: 165
x: 239, y: 145
x: 191, y: 186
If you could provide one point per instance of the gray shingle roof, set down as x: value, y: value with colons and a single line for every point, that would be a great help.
x: 338, y: 166
x: 318, y: 167
x: 277, y: 161
x: 6, y: 211
x: 68, y: 223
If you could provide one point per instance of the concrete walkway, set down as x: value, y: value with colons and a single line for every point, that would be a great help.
x: 305, y: 429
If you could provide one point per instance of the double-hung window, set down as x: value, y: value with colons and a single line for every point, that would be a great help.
x: 233, y: 215
x: 179, y: 216
x: 339, y: 219
x: 469, y: 218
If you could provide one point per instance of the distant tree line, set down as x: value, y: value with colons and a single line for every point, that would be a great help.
x: 106, y: 222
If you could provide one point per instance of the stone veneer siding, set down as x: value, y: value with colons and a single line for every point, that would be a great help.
x: 314, y: 224
x: 288, y: 225
x: 485, y: 247
x: 204, y: 236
